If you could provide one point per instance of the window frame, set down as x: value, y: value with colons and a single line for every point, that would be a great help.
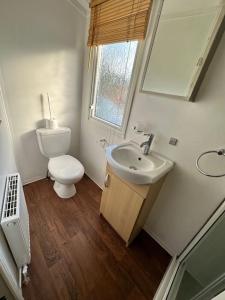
x: 130, y: 96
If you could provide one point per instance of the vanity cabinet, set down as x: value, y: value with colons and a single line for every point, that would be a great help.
x: 125, y: 205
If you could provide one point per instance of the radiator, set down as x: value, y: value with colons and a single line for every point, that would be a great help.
x: 15, y: 220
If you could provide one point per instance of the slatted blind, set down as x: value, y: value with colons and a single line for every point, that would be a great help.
x: 115, y: 21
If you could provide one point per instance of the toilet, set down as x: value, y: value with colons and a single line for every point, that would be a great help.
x: 64, y: 169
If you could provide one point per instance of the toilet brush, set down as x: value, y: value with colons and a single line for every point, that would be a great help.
x: 52, y: 122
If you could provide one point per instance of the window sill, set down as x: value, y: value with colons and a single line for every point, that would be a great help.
x: 120, y: 131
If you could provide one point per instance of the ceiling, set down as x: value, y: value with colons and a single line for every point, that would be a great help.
x: 81, y: 5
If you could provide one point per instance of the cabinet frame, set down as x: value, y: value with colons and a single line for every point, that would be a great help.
x: 127, y: 215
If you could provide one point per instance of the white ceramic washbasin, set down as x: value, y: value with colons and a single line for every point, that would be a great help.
x: 130, y: 164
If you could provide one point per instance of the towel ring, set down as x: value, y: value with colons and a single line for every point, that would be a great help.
x: 218, y: 152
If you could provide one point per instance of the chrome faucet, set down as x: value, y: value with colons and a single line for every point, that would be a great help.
x: 148, y: 143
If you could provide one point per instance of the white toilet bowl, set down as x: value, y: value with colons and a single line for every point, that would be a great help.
x: 66, y: 171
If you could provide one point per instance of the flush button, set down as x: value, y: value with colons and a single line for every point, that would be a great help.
x: 173, y: 141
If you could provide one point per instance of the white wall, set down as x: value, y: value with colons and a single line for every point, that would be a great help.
x: 7, y: 161
x: 187, y: 197
x: 41, y: 51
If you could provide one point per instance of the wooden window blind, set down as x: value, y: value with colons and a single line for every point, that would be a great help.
x: 114, y: 21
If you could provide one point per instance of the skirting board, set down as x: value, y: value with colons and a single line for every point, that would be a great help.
x: 34, y: 179
x: 30, y: 180
x: 160, y: 242
x: 101, y: 187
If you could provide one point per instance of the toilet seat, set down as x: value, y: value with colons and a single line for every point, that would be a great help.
x: 67, y: 171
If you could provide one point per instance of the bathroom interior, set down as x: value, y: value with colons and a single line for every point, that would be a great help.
x: 112, y: 149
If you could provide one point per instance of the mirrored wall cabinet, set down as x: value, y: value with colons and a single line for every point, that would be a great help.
x: 182, y: 46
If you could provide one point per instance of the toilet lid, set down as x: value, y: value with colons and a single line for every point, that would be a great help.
x: 65, y: 167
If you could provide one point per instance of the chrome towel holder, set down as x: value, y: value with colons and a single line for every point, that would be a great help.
x: 218, y: 152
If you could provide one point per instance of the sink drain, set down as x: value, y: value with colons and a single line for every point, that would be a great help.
x: 132, y: 168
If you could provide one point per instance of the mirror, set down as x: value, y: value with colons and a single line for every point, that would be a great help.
x: 182, y: 46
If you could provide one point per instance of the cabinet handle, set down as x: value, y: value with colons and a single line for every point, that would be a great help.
x: 106, y: 182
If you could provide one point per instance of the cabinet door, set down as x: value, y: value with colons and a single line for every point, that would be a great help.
x: 120, y: 205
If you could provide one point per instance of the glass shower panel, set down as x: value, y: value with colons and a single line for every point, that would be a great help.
x: 201, y: 275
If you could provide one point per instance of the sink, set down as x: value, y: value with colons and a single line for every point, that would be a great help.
x: 130, y: 164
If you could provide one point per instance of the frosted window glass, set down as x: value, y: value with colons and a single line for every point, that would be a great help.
x: 114, y: 73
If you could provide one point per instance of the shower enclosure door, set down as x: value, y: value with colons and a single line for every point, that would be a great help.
x: 199, y: 273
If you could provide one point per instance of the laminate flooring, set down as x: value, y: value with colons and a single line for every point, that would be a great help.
x: 77, y: 255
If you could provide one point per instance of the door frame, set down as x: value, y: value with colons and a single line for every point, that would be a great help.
x: 9, y: 280
x: 165, y: 285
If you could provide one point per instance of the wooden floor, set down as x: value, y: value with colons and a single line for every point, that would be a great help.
x: 77, y: 255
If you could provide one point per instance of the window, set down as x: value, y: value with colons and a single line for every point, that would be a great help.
x: 113, y: 76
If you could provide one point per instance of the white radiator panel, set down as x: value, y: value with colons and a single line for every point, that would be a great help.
x: 15, y: 220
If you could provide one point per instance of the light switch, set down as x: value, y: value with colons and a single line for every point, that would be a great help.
x: 173, y: 141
